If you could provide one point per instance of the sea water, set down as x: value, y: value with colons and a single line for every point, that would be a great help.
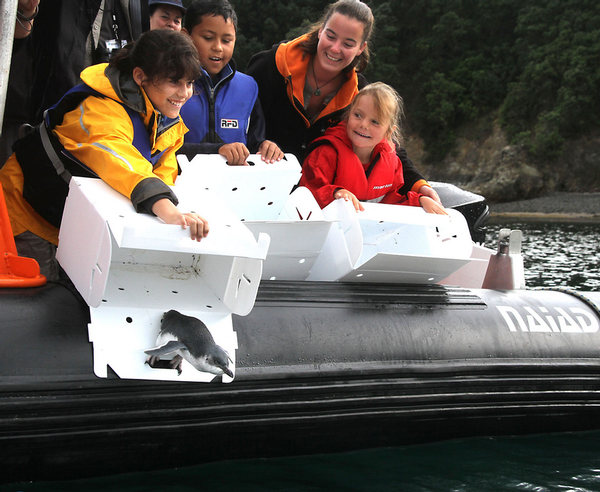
x: 565, y: 463
x: 554, y: 255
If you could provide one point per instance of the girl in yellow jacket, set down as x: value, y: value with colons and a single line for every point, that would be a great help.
x: 122, y: 125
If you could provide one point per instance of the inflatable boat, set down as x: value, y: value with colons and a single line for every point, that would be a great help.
x: 343, y: 335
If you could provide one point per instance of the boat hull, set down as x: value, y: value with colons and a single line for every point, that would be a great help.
x: 321, y: 368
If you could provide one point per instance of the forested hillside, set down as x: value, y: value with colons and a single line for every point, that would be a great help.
x: 536, y: 63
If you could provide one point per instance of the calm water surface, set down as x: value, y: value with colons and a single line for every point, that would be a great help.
x: 568, y: 462
x: 554, y: 255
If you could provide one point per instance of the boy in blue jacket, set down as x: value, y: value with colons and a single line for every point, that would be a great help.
x: 224, y: 115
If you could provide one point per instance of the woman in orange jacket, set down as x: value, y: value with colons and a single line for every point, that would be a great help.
x: 306, y: 84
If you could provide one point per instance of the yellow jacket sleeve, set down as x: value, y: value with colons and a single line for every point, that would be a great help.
x: 99, y: 134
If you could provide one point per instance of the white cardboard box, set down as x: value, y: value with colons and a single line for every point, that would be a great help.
x: 131, y: 268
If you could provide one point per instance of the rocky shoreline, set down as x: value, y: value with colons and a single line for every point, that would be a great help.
x: 484, y: 161
x: 553, y: 206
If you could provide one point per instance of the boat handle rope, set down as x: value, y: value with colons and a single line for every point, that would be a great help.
x: 574, y: 293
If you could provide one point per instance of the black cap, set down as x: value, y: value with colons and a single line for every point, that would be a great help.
x: 175, y: 3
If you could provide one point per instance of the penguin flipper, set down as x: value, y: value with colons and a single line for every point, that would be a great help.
x: 167, y: 348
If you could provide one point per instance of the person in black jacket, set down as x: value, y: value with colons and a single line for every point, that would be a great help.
x: 71, y: 35
x: 16, y: 109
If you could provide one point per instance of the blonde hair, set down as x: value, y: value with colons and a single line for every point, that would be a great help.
x: 389, y: 107
x: 354, y: 9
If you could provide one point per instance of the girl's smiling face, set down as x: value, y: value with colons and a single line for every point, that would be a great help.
x: 340, y: 41
x: 364, y: 127
x: 167, y: 96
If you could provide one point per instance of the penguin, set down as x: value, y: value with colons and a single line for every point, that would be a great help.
x: 189, y: 338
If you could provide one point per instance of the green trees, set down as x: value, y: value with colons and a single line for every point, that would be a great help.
x: 265, y: 23
x: 537, y: 62
x: 456, y: 62
x: 556, y: 92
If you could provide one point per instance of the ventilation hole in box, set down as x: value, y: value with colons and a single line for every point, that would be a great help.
x: 430, y: 279
x: 263, y: 188
x: 273, y: 278
x: 159, y: 364
x: 250, y: 163
x: 358, y: 275
x: 174, y: 292
x: 234, y: 189
x: 208, y: 306
x: 302, y: 261
x: 129, y: 319
x: 121, y: 288
x: 270, y: 203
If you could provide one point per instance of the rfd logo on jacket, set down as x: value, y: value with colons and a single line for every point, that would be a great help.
x: 229, y: 123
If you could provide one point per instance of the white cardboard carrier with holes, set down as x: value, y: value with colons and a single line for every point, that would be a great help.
x: 257, y: 191
x: 392, y: 243
x: 131, y: 268
x: 385, y: 243
x: 260, y: 196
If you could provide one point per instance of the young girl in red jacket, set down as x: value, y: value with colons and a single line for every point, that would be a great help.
x: 356, y: 160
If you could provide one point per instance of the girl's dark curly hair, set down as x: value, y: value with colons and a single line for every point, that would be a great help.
x: 162, y: 54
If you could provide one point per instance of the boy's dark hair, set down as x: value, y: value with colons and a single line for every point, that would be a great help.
x: 161, y: 54
x: 216, y: 8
